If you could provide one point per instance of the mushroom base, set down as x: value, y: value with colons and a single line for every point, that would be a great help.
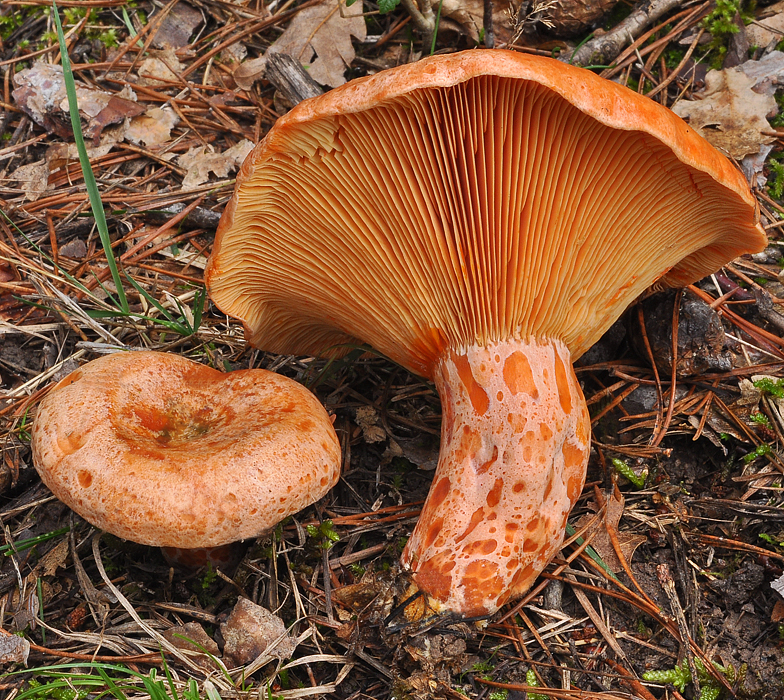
x: 514, y: 449
x: 224, y: 557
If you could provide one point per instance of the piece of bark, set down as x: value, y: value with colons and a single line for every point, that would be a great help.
x: 290, y: 78
x: 603, y: 49
x: 702, y: 342
x: 571, y: 18
x: 767, y: 309
x: 738, y: 50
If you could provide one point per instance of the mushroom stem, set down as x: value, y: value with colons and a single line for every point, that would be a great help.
x: 226, y: 556
x: 514, y: 448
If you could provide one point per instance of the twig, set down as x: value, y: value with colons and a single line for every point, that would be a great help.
x: 668, y: 585
x: 603, y: 49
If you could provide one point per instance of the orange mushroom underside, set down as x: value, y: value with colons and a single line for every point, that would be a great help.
x: 480, y: 218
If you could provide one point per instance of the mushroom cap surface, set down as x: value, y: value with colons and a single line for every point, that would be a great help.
x: 165, y: 451
x: 469, y: 198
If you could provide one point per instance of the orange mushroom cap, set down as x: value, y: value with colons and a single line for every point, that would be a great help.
x: 164, y: 451
x: 480, y: 218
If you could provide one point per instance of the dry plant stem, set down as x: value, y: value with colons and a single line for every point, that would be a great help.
x: 634, y: 685
x: 674, y: 375
x: 685, y: 19
x: 152, y: 658
x: 160, y: 639
x: 612, y: 532
x: 487, y: 21
x: 597, y: 620
x: 423, y: 18
x: 538, y: 637
x: 664, y: 84
x: 514, y: 448
x: 649, y: 350
x: 254, y: 28
x: 604, y: 48
x: 735, y: 545
x: 668, y: 585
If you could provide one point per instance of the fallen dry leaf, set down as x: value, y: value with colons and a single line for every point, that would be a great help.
x: 322, y: 31
x: 192, y: 637
x: 234, y: 53
x: 601, y: 541
x: 75, y: 249
x: 778, y: 585
x: 115, y: 111
x: 160, y: 68
x: 767, y: 73
x: 14, y: 649
x: 730, y: 115
x: 469, y: 14
x: 177, y: 27
x: 200, y: 164
x: 152, y: 128
x: 40, y: 92
x: 54, y: 559
x: 422, y: 451
x: 248, y: 72
x: 33, y: 178
x: 768, y: 27
x: 367, y: 418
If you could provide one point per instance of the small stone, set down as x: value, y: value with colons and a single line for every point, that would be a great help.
x: 251, y: 630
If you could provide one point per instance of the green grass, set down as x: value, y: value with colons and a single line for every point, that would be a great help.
x: 94, y: 680
x: 118, y: 301
x: 87, y: 172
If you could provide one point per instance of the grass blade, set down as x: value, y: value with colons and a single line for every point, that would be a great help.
x: 84, y: 160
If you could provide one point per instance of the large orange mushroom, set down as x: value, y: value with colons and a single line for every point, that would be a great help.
x: 481, y: 218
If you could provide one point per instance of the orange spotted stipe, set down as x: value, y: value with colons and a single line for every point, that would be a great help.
x: 512, y: 465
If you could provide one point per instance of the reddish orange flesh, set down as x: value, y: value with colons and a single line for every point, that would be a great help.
x: 514, y: 448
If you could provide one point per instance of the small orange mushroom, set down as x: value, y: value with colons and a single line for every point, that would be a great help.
x: 165, y: 451
x: 481, y: 218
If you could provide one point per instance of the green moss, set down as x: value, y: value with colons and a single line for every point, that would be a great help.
x: 679, y: 676
x: 760, y: 419
x: 325, y: 534
x: 775, y: 167
x: 673, y: 57
x: 532, y: 680
x: 768, y: 387
x: 637, y: 480
x: 720, y: 21
x: 760, y: 451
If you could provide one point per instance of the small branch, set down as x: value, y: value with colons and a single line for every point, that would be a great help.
x: 423, y: 18
x: 487, y: 21
x: 605, y: 48
x: 668, y: 585
x: 288, y: 76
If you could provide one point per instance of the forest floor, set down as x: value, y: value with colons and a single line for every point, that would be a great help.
x: 685, y: 477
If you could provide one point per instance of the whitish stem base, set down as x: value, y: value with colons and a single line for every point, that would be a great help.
x: 514, y: 448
